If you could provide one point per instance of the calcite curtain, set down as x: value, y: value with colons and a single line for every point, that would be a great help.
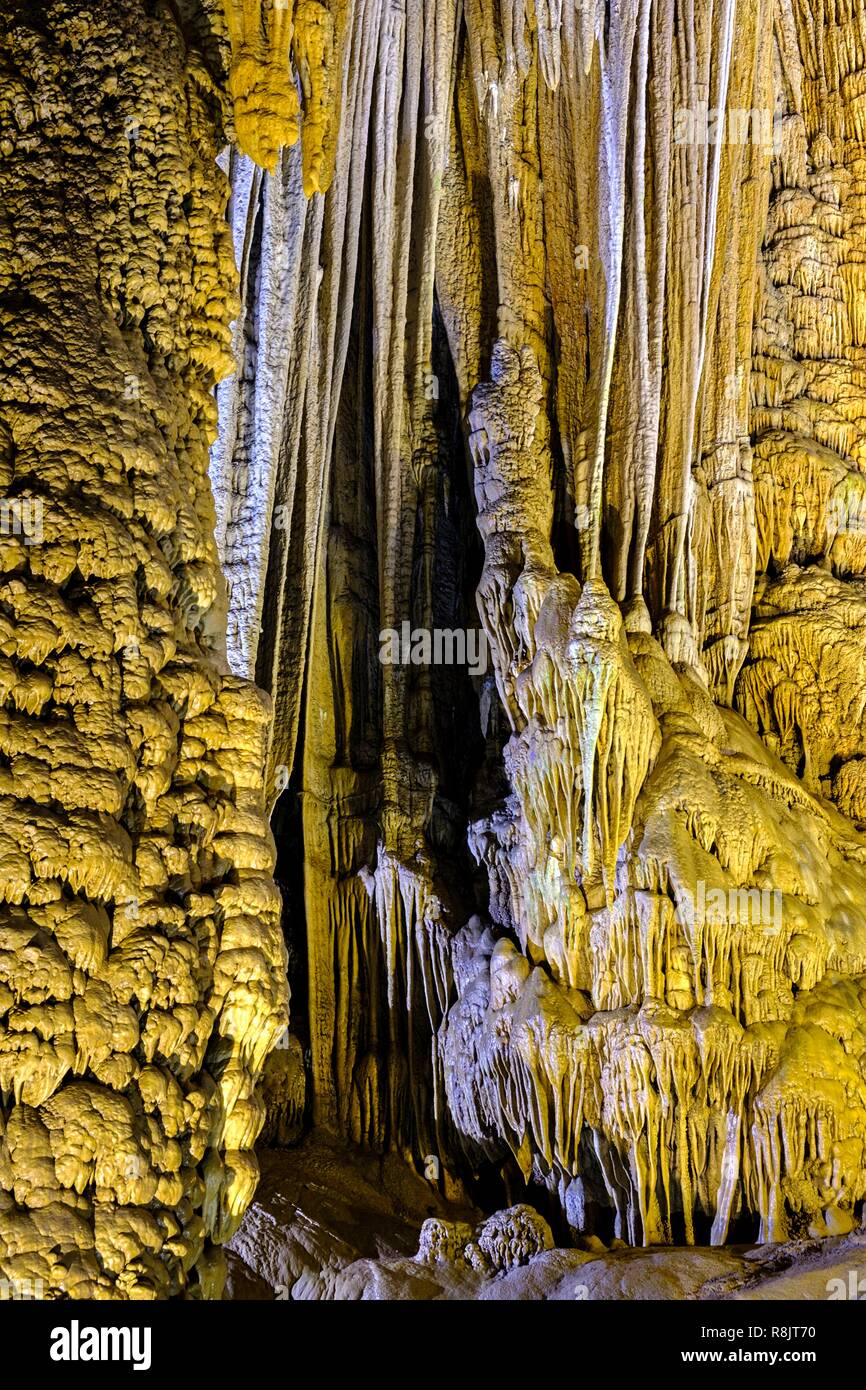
x: 547, y: 329
x: 569, y: 349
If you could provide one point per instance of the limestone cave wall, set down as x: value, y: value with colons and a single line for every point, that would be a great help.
x: 142, y: 965
x: 600, y: 262
x: 537, y: 323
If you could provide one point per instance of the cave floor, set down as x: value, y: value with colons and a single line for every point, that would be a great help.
x: 327, y: 1223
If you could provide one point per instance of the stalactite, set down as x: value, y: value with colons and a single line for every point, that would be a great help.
x: 264, y: 36
x: 606, y: 211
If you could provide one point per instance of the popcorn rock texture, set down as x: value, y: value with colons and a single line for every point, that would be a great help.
x: 142, y: 966
x: 572, y: 349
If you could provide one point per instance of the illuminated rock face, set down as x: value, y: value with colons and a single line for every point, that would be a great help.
x: 142, y: 967
x: 275, y: 46
x: 601, y: 908
x: 555, y: 238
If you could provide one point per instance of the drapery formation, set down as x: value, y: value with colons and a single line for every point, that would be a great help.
x: 556, y: 236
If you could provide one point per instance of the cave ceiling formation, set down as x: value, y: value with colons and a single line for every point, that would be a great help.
x: 536, y: 320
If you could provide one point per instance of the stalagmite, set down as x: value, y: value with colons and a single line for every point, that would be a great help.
x: 143, y: 968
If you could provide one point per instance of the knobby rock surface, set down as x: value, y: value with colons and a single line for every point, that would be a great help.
x: 549, y: 327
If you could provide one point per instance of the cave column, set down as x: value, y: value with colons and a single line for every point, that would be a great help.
x: 142, y: 978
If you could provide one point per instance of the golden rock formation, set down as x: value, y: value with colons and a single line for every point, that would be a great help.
x: 549, y: 340
x: 142, y: 967
x: 262, y: 82
x: 556, y: 237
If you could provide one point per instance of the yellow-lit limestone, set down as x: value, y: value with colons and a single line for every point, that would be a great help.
x: 803, y: 687
x: 264, y: 87
x: 488, y: 364
x: 142, y: 966
x: 556, y: 235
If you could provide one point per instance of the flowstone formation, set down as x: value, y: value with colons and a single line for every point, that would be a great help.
x: 598, y: 915
x: 548, y: 346
x: 275, y: 47
x: 142, y: 965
